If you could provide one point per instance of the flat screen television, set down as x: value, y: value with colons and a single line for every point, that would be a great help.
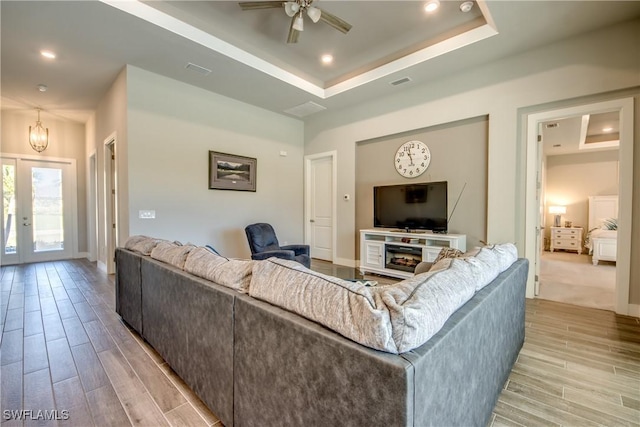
x: 411, y: 206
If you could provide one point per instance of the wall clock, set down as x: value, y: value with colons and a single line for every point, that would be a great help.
x: 412, y: 159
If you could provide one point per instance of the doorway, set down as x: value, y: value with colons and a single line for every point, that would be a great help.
x: 320, y: 206
x: 580, y: 166
x: 39, y: 209
x: 110, y: 203
x: 533, y: 221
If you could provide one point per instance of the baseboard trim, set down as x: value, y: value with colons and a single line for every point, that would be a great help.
x: 102, y: 266
x: 634, y: 310
x: 345, y: 261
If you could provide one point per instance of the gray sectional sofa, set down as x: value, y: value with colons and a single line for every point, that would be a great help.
x: 261, y: 361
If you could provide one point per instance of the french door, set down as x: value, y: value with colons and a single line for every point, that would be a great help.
x: 38, y: 209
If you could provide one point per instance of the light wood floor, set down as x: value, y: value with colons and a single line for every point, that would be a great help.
x: 64, y: 348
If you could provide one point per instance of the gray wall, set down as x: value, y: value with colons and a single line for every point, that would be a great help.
x: 458, y: 156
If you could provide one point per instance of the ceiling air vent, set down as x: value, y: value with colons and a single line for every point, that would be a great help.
x: 197, y: 68
x: 305, y: 109
x: 400, y: 81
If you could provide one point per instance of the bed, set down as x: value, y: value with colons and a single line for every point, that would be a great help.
x: 602, y: 237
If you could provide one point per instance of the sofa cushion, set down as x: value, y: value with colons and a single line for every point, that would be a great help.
x: 419, y: 306
x: 506, y: 254
x: 448, y: 253
x: 349, y: 308
x: 141, y: 244
x: 172, y: 253
x: 482, y: 261
x: 232, y: 273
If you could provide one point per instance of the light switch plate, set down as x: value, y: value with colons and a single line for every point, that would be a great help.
x: 147, y: 214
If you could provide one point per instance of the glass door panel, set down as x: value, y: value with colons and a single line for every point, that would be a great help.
x: 47, y: 209
x: 37, y: 210
x: 9, y: 229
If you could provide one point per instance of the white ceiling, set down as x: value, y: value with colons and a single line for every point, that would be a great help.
x: 401, y: 27
x: 581, y: 134
x: 247, y: 53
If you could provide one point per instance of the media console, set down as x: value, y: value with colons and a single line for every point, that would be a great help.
x: 396, y: 253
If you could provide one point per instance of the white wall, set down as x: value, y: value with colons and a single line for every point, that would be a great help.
x: 595, y: 63
x: 66, y: 140
x: 111, y: 120
x: 171, y: 128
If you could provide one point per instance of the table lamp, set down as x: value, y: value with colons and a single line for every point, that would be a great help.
x: 558, y: 211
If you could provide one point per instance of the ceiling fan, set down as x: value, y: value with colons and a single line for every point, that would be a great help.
x: 296, y: 9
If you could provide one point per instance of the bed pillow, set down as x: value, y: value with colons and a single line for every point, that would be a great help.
x: 610, y: 224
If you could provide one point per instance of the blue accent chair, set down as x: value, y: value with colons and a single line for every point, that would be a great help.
x: 264, y: 244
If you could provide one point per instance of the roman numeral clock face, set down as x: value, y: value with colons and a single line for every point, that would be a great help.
x: 412, y: 159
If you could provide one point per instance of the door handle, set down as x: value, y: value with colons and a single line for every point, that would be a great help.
x: 312, y: 220
x: 26, y: 223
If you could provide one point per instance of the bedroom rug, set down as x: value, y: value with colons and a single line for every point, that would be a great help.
x: 573, y: 279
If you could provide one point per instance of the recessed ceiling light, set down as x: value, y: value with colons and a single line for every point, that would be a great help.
x: 607, y: 129
x: 431, y: 6
x: 42, y: 88
x: 48, y: 54
x: 326, y: 59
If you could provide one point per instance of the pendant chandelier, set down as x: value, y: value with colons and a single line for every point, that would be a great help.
x: 38, y: 136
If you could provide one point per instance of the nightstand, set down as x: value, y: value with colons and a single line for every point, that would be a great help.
x: 569, y: 239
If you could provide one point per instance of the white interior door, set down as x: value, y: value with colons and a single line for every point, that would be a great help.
x: 38, y: 210
x: 321, y: 207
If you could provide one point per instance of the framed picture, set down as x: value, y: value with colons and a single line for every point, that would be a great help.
x: 231, y: 172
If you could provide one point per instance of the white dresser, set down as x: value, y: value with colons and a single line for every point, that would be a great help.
x: 569, y: 239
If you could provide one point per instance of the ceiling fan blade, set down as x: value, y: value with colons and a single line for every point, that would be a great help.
x: 252, y: 5
x: 334, y: 21
x: 293, y: 33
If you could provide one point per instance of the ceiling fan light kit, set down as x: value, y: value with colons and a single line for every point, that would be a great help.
x: 296, y: 10
x: 291, y: 8
x: 298, y: 23
x: 314, y: 14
